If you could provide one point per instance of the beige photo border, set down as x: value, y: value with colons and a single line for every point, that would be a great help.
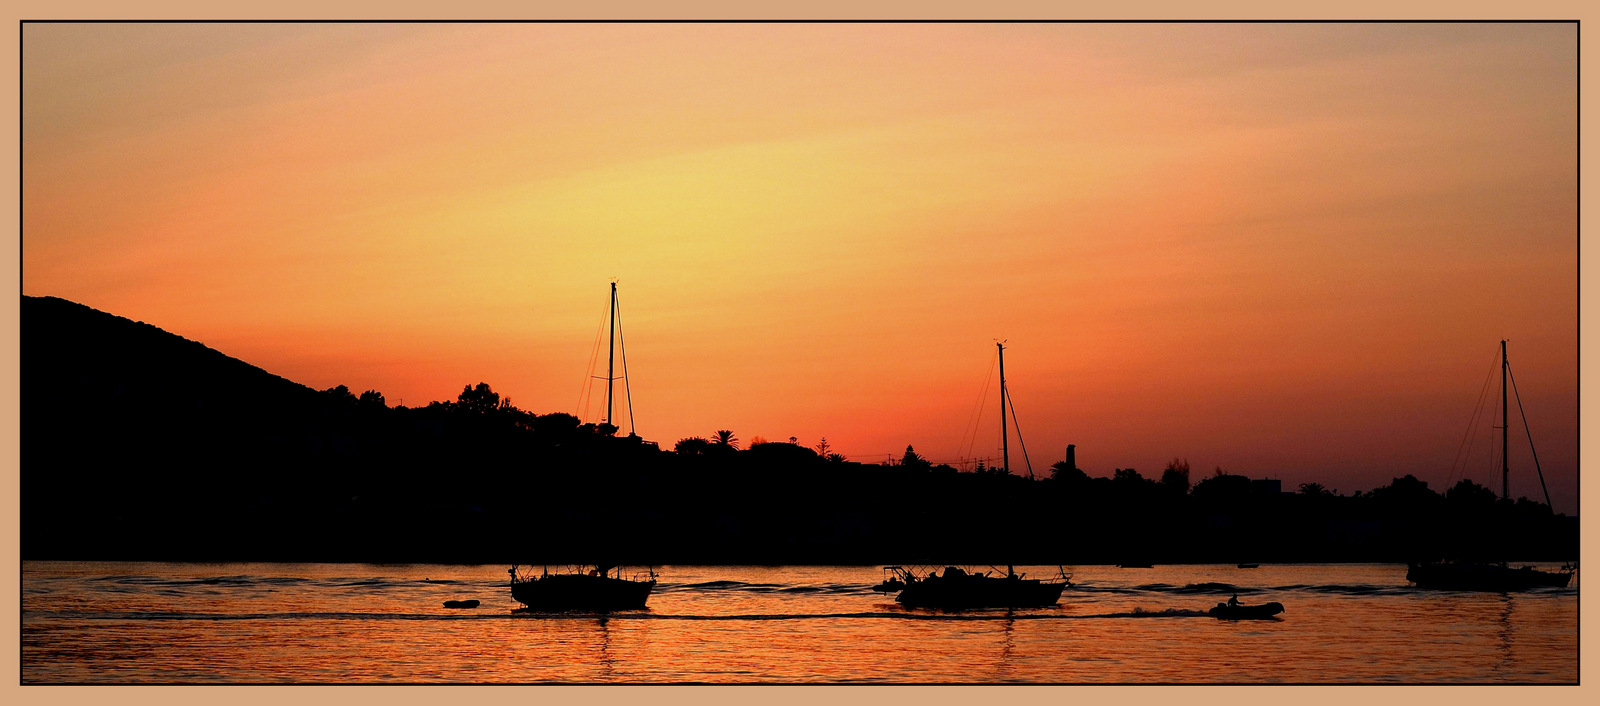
x: 10, y: 418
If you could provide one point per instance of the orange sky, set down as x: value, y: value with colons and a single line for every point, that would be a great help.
x: 1285, y: 250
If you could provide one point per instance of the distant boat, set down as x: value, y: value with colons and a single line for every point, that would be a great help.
x: 1239, y: 611
x: 1466, y: 576
x: 590, y: 587
x: 469, y: 603
x: 1249, y: 566
x: 1497, y: 577
x: 957, y: 589
x: 595, y: 590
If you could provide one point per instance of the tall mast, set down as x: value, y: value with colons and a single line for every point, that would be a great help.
x: 1005, y: 450
x: 1505, y: 426
x: 611, y: 354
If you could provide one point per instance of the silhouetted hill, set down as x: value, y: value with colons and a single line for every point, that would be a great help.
x: 122, y: 420
x: 76, y: 356
x: 138, y: 444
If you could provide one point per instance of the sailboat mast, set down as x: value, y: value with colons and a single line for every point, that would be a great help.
x: 1505, y: 426
x: 611, y: 354
x: 1005, y: 450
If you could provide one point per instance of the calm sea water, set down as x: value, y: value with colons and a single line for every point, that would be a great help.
x: 260, y: 623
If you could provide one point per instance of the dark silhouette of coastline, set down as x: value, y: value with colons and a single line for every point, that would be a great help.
x: 140, y: 445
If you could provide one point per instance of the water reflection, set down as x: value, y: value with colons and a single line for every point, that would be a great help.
x: 1505, y: 633
x: 1004, y: 671
x: 606, y: 666
x: 248, y: 623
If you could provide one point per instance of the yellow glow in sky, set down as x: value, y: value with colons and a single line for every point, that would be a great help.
x: 1286, y: 250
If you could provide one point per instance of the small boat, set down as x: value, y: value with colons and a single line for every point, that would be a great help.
x: 469, y: 603
x: 595, y: 590
x: 1495, y: 576
x: 957, y: 589
x: 1240, y: 611
x: 1249, y: 566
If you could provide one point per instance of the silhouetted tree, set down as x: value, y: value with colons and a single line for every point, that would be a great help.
x: 692, y: 446
x: 1407, y: 490
x: 913, y: 461
x: 1469, y: 494
x: 822, y: 447
x: 726, y: 439
x: 1061, y: 472
x: 757, y: 441
x: 1222, y: 487
x: 1526, y: 508
x: 478, y: 400
x: 371, y: 399
x: 1313, y: 489
x: 781, y: 456
x: 341, y: 395
x: 556, y: 424
x: 1176, y: 477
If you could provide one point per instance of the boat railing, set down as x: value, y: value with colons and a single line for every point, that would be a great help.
x: 648, y: 575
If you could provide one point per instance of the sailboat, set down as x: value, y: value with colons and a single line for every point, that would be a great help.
x: 1466, y: 576
x: 957, y: 589
x: 591, y: 587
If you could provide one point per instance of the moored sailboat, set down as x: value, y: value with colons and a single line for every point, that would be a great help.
x: 1498, y: 577
x: 592, y: 587
x: 957, y: 589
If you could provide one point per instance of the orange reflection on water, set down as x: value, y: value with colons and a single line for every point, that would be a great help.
x: 250, y: 623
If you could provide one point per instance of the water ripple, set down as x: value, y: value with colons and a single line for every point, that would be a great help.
x: 631, y: 615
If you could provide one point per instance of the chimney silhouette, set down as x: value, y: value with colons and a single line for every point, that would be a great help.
x: 1072, y: 457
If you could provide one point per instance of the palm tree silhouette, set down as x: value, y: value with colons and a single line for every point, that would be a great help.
x: 691, y: 446
x: 726, y: 438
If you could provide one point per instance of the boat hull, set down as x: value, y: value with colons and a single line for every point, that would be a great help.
x: 1264, y: 611
x: 581, y: 592
x: 1483, y: 577
x: 968, y: 592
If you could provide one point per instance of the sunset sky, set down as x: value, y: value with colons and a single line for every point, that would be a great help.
x: 1286, y: 250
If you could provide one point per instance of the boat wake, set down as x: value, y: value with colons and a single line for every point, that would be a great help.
x: 1225, y: 589
x: 713, y: 586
